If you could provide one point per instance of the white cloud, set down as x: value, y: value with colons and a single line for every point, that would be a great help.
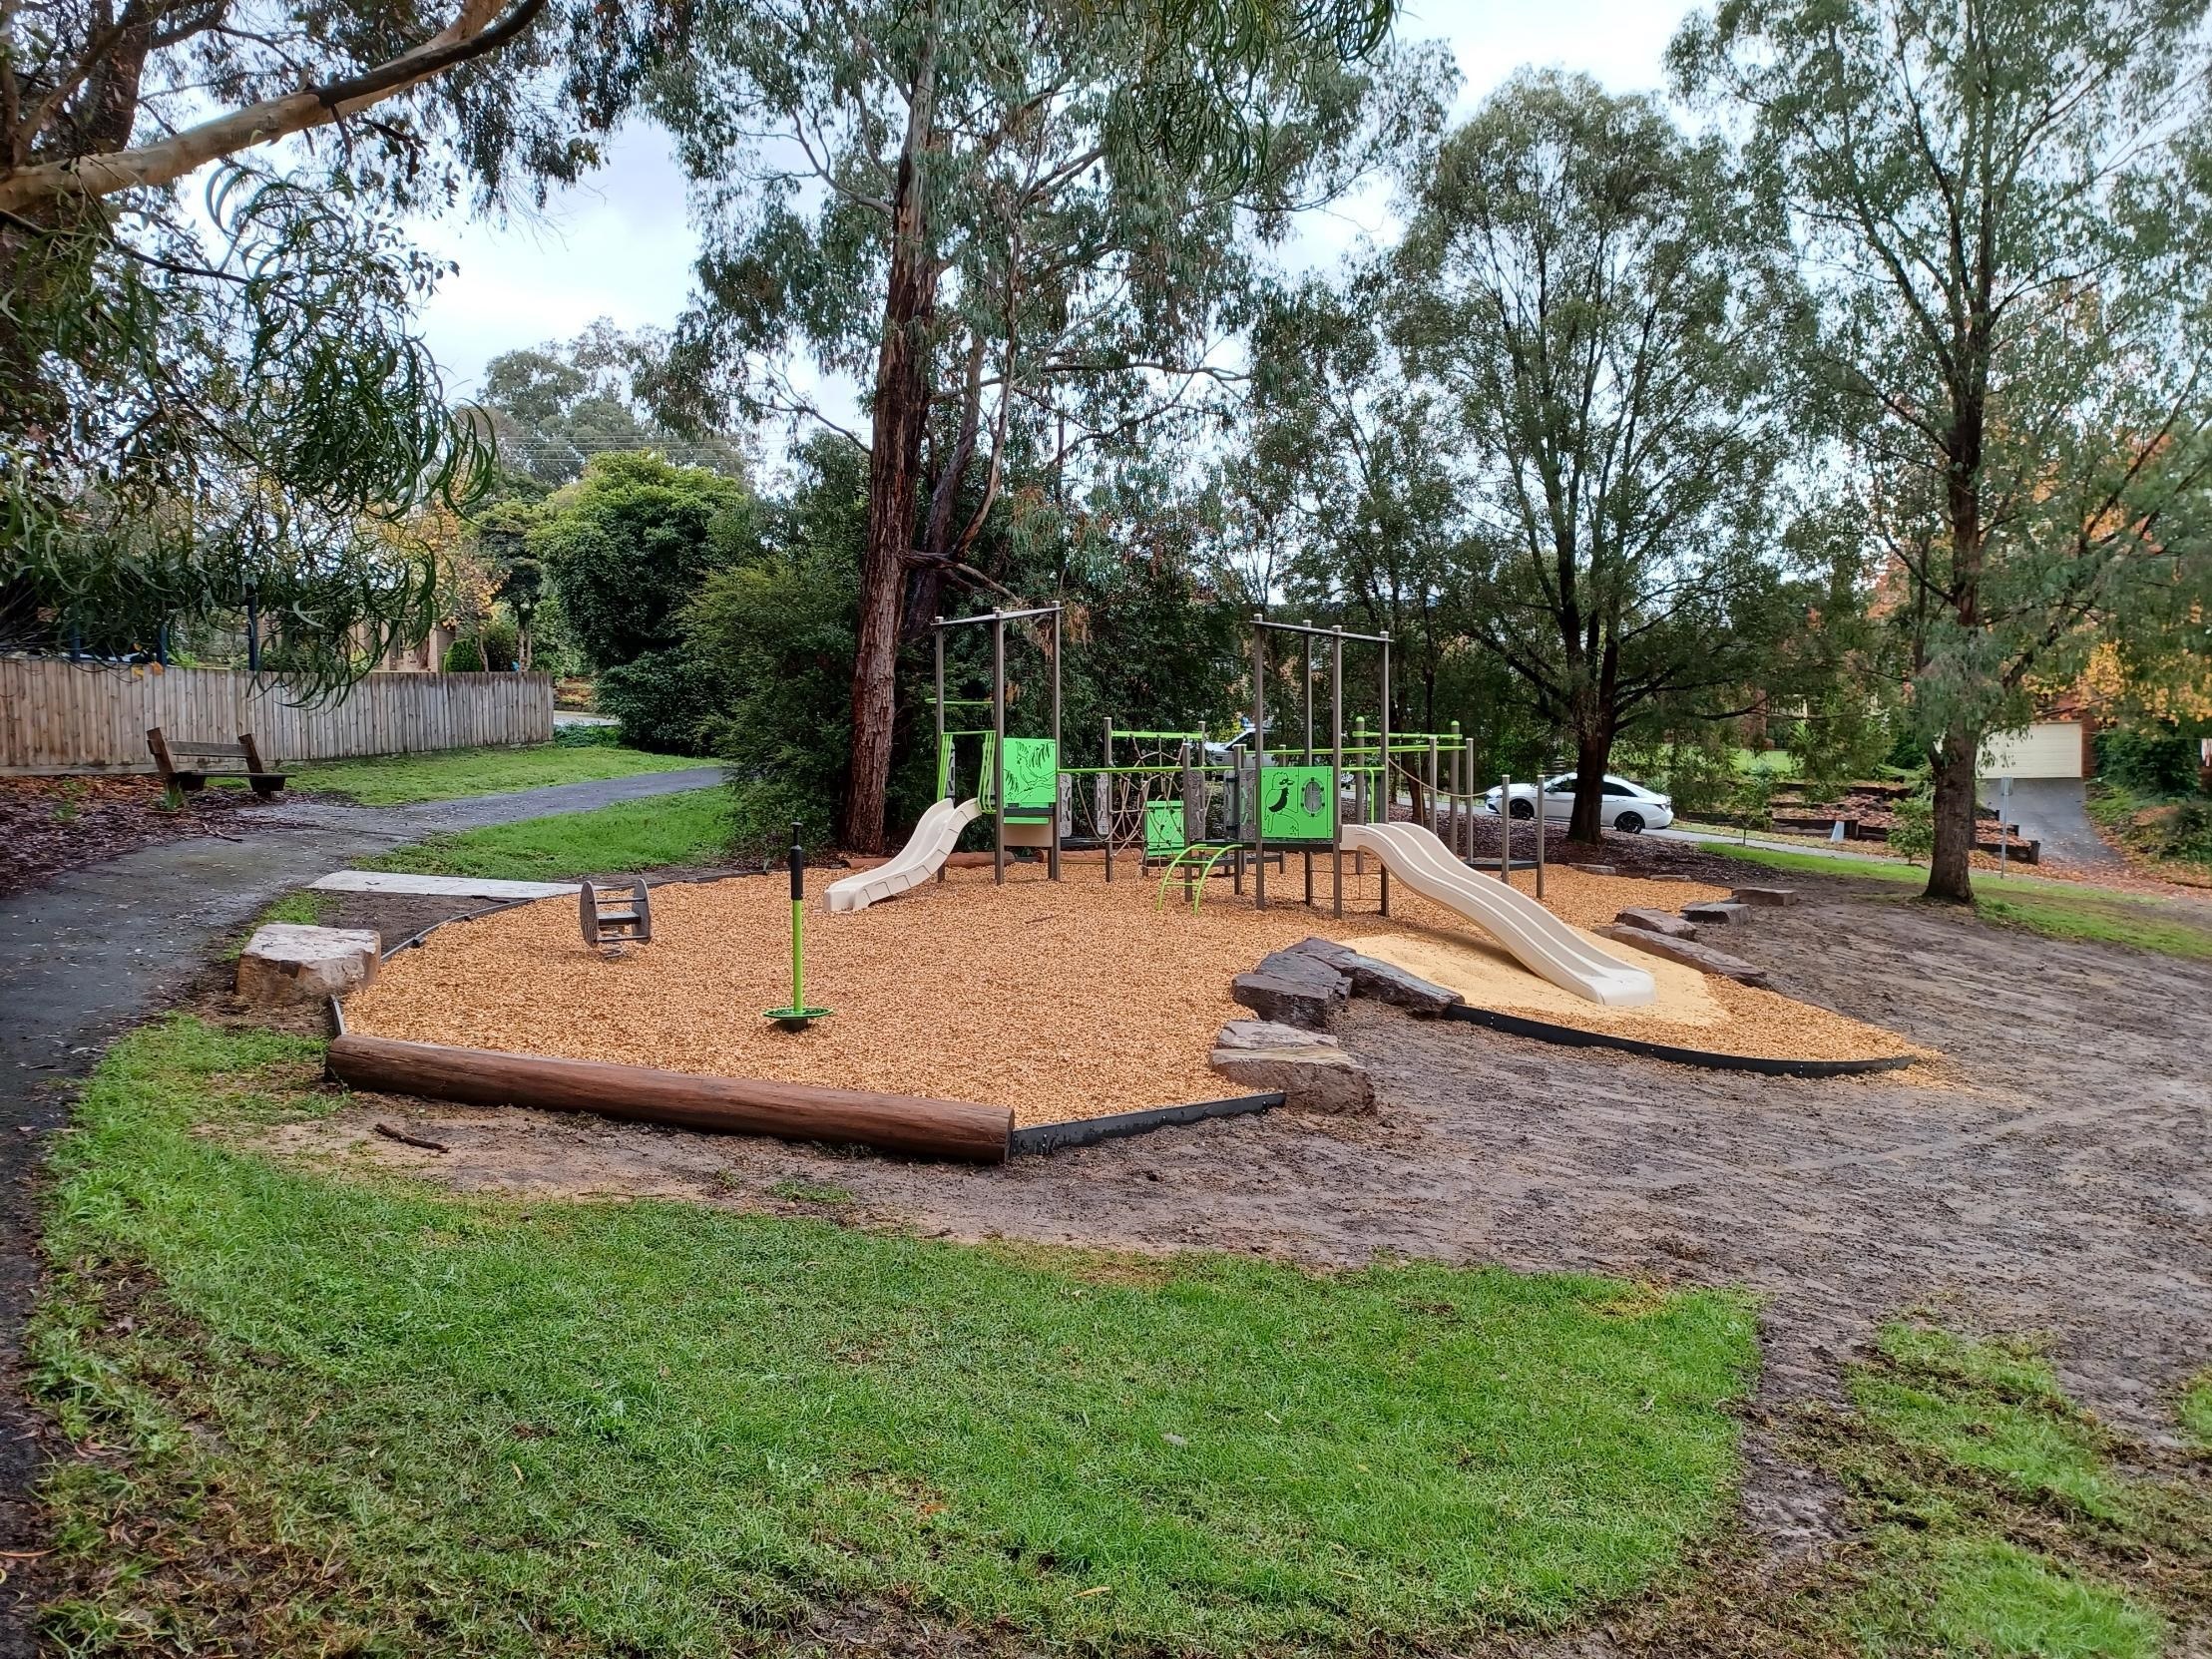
x: 620, y: 245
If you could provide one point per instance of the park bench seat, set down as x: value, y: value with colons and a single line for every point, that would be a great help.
x: 244, y: 759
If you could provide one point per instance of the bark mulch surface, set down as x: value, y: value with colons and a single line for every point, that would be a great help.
x: 48, y: 825
x: 2053, y: 1177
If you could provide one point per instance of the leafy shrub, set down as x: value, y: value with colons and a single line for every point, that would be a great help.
x: 496, y: 641
x: 464, y: 657
x: 1914, y: 833
x: 1751, y: 797
x: 2153, y: 760
x: 587, y: 737
x: 663, y: 698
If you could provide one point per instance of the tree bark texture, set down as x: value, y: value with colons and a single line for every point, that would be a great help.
x: 900, y: 415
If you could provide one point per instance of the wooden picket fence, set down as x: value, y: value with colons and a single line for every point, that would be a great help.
x: 57, y: 716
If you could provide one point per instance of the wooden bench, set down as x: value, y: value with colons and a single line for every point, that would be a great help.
x: 245, y: 752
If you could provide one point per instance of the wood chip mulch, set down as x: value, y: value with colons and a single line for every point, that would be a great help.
x: 1058, y: 1001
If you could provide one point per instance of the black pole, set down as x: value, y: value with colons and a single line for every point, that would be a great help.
x: 798, y: 866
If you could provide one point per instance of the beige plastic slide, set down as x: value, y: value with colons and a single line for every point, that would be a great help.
x: 1538, y: 941
x: 925, y: 851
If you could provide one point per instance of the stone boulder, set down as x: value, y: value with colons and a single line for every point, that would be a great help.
x: 1311, y: 1071
x: 1704, y: 957
x: 287, y: 962
x: 1291, y: 988
x: 1383, y: 981
x: 1717, y: 912
x: 1658, y: 921
x: 1765, y: 895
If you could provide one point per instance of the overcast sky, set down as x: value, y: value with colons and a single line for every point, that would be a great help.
x: 619, y: 246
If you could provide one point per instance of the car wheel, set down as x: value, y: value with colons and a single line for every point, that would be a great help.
x: 1629, y: 823
x: 1522, y: 809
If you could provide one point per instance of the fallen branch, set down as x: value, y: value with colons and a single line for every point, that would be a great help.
x: 406, y: 1139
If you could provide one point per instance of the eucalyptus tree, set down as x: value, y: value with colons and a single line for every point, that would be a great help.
x: 997, y: 216
x: 1352, y: 468
x: 223, y: 405
x: 2003, y: 206
x: 1602, y: 305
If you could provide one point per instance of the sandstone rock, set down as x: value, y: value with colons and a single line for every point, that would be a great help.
x: 1292, y: 988
x: 1596, y: 869
x: 1383, y: 981
x: 1658, y: 921
x: 1701, y: 956
x: 1717, y: 912
x: 1664, y: 878
x: 1311, y: 1071
x: 287, y: 962
x: 1765, y: 895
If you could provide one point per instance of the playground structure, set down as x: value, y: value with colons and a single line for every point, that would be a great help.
x: 1265, y: 808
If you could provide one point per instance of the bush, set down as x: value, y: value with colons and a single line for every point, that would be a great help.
x: 1914, y: 833
x: 587, y: 737
x: 663, y: 698
x: 464, y: 657
x: 2153, y: 760
x: 496, y: 641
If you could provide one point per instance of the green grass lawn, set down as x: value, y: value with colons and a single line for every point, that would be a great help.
x: 363, y: 1416
x: 2196, y: 1410
x: 2054, y: 909
x: 691, y: 827
x: 447, y: 774
x: 2000, y: 1520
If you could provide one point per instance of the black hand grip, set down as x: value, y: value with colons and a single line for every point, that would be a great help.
x: 798, y: 866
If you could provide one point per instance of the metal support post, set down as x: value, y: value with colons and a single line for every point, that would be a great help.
x: 1336, y: 772
x: 998, y: 746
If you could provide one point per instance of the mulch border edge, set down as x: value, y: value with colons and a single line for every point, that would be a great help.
x: 1574, y: 1037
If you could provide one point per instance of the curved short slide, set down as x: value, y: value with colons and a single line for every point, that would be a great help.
x: 923, y: 855
x: 1538, y: 939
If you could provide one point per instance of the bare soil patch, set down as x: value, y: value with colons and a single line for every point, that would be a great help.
x: 52, y: 824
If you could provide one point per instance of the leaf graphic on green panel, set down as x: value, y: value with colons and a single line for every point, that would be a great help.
x: 1031, y: 775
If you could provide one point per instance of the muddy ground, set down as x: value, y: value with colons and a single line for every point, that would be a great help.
x: 2052, y: 1178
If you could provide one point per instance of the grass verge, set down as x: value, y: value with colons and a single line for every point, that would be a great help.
x: 334, y: 1416
x: 2196, y: 1410
x: 689, y: 828
x: 2057, y: 910
x: 449, y: 774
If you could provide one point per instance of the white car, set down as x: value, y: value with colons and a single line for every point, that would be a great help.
x: 1628, y: 807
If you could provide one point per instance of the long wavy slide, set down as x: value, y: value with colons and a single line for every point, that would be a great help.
x: 1539, y: 941
x: 924, y: 853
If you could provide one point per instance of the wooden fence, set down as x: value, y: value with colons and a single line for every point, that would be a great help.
x: 57, y: 716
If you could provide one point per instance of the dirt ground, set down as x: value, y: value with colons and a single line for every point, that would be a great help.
x: 2054, y: 1178
x: 48, y: 825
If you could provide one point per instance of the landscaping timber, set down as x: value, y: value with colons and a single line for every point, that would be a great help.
x: 952, y: 1129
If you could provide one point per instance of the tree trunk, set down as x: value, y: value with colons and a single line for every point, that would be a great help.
x: 900, y: 413
x: 1593, y: 752
x: 1951, y: 863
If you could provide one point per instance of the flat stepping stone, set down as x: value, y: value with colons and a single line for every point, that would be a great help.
x: 1310, y: 1070
x: 1718, y: 911
x: 440, y: 887
x: 1704, y: 957
x: 1596, y: 869
x: 1770, y: 896
x: 1383, y: 981
x: 1658, y: 921
x: 1664, y: 877
x: 287, y: 962
x: 1292, y: 988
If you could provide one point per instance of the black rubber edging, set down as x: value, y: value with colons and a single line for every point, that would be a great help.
x: 1572, y: 1037
x: 1090, y: 1131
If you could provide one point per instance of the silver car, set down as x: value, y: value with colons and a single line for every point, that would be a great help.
x: 1628, y: 807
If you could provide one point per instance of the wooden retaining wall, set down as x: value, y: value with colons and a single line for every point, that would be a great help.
x: 57, y: 716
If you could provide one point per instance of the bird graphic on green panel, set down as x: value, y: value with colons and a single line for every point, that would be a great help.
x: 1297, y: 804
